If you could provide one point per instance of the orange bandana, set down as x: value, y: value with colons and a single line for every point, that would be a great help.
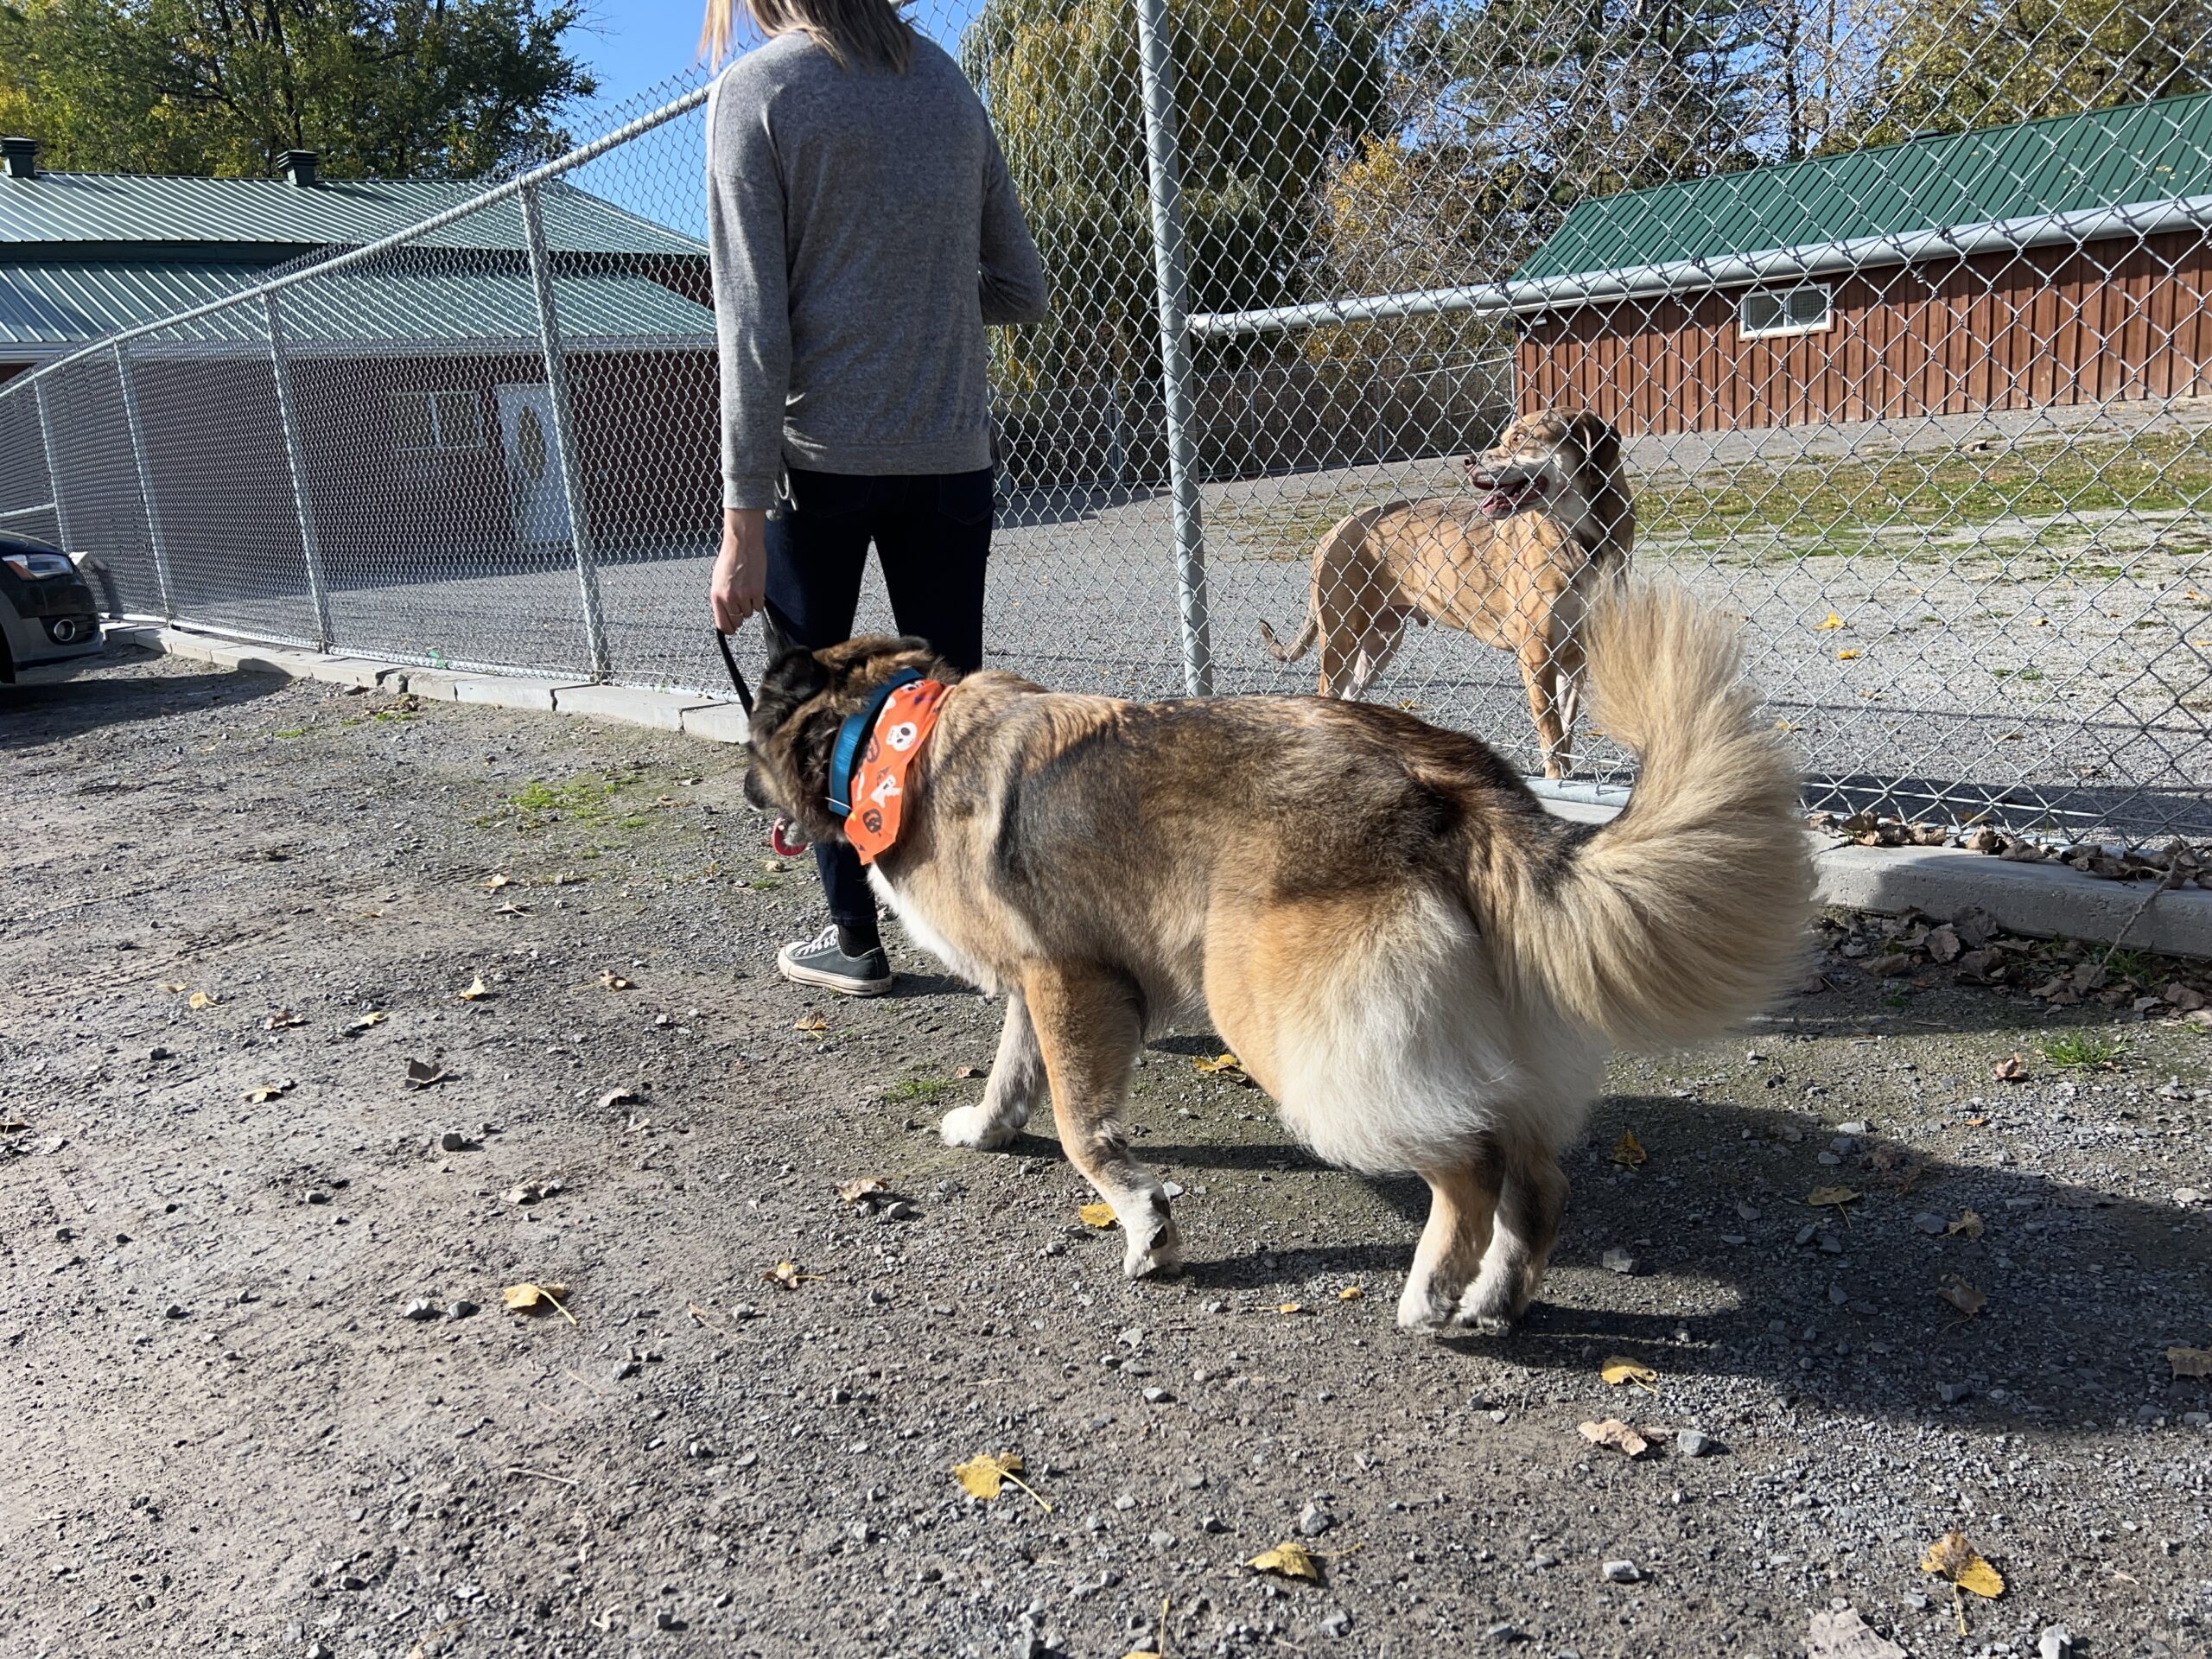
x: 879, y: 784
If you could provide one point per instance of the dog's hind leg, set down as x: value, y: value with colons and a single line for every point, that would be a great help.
x: 1088, y: 1028
x: 1017, y: 1084
x: 1462, y: 1203
x: 1529, y: 1208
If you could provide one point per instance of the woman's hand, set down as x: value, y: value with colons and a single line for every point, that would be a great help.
x: 741, y: 582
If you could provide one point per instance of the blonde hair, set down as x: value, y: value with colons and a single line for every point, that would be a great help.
x: 867, y: 32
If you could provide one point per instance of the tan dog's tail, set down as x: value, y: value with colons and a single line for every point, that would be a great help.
x: 1675, y: 920
x: 1298, y: 647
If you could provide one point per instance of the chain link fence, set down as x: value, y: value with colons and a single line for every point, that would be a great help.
x: 1882, y: 322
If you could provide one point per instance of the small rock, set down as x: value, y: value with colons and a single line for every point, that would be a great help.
x: 1621, y: 1573
x: 319, y: 1650
x: 1618, y: 1261
x: 1696, y: 1443
x: 1805, y: 1233
x: 1857, y: 1126
x: 1337, y: 1622
x: 351, y: 1581
x: 1831, y: 1244
x: 174, y: 1311
x: 664, y: 1620
x: 625, y: 1369
x: 1501, y: 1631
x: 1952, y: 1393
x: 1213, y: 1523
x: 1159, y: 1397
x: 880, y: 1297
x: 1540, y: 1558
x: 455, y: 1140
x: 314, y: 1196
x: 1929, y: 1223
x: 528, y: 1192
x: 1838, y: 1295
x: 1160, y: 1539
x: 899, y: 1209
x: 1313, y: 1521
x: 461, y: 1310
x: 420, y: 1308
x: 2056, y: 1642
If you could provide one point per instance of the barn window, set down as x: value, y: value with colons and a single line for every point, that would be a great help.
x: 1804, y: 310
x: 440, y: 420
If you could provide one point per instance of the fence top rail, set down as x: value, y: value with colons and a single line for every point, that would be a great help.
x: 1684, y: 276
x: 528, y: 180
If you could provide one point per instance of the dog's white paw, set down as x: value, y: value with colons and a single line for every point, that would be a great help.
x: 1160, y: 1251
x: 1419, y: 1313
x: 978, y: 1130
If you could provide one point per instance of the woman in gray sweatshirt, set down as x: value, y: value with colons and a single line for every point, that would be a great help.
x: 863, y: 231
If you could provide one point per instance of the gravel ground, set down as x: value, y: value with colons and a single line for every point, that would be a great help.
x: 231, y: 1435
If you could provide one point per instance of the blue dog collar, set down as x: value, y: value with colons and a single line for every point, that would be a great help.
x: 850, y: 738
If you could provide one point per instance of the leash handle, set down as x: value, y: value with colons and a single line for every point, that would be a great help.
x: 737, y: 679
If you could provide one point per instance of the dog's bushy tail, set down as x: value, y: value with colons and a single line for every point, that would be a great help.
x: 1675, y: 920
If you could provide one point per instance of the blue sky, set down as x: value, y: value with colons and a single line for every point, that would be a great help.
x: 633, y: 44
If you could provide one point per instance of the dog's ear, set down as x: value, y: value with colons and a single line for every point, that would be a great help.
x: 793, y: 671
x: 773, y: 637
x: 1601, y: 441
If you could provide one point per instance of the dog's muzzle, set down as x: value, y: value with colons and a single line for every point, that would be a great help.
x: 786, y: 841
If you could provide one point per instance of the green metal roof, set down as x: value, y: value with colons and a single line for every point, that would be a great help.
x: 66, y: 304
x: 2102, y: 158
x: 112, y: 208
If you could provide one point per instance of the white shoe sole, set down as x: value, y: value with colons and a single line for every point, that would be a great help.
x: 837, y: 982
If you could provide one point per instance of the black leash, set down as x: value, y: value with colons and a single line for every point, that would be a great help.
x: 729, y: 661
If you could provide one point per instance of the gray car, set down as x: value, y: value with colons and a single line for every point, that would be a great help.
x: 47, y: 611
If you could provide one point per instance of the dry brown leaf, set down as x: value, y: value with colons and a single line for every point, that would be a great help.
x: 1839, y: 1633
x: 203, y: 1000
x: 267, y: 1091
x: 497, y: 880
x: 614, y: 982
x: 1968, y: 1222
x: 368, y: 1020
x: 2010, y: 1069
x: 787, y: 1275
x: 1832, y: 623
x: 967, y: 1072
x: 420, y: 1074
x: 1290, y: 1307
x: 1618, y: 1435
x: 477, y: 991
x: 283, y: 1019
x: 1962, y: 1295
x: 1628, y: 1151
x: 1226, y: 1066
x: 810, y: 1022
x: 1820, y: 1196
x: 1350, y: 1294
x: 510, y: 908
x: 863, y: 1186
x: 2190, y: 1362
x: 1096, y: 1215
x: 1289, y: 1559
x: 1958, y: 1561
x: 1618, y: 1370
x: 537, y: 1299
x: 617, y: 1098
x: 176, y: 987
x: 985, y: 1474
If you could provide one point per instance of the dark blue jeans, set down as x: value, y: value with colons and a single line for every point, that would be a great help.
x: 932, y: 535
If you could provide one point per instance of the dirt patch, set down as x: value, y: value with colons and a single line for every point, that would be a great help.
x: 252, y: 1415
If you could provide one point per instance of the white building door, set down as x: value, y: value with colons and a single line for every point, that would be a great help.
x: 534, y: 482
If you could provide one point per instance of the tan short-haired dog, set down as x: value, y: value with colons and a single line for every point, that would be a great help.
x: 1424, y: 968
x: 1517, y: 565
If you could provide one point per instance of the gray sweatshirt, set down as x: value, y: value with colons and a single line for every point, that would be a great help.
x: 863, y: 230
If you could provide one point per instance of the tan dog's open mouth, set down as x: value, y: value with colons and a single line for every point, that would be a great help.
x: 1505, y: 492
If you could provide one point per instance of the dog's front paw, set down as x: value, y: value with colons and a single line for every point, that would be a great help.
x: 1486, y: 1325
x: 977, y: 1130
x: 1157, y: 1249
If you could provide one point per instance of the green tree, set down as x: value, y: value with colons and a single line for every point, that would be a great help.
x: 1950, y: 66
x: 427, y: 88
x: 1265, y: 94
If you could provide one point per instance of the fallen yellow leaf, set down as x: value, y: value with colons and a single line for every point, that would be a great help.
x: 2190, y: 1362
x: 1832, y: 623
x: 614, y: 982
x: 1160, y: 1652
x: 1096, y: 1215
x: 1958, y: 1561
x: 497, y: 880
x: 1848, y: 656
x: 1350, y: 1294
x: 1289, y: 1560
x: 536, y: 1298
x: 173, y: 987
x: 203, y: 1000
x: 865, y: 1186
x: 1223, y: 1065
x: 1826, y: 1195
x: 787, y: 1275
x: 1291, y: 1308
x: 1628, y: 1151
x: 1962, y: 1295
x: 283, y: 1019
x: 1618, y: 1369
x: 267, y: 1091
x: 368, y: 1020
x: 477, y: 991
x: 1968, y: 1222
x: 810, y: 1022
x: 983, y: 1476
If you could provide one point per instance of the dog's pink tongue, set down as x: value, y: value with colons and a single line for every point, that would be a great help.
x: 783, y: 841
x: 1497, y: 504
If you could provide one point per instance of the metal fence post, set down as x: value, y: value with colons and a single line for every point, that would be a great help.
x: 1160, y: 153
x: 564, y: 436
x: 53, y: 466
x: 295, y: 458
x: 153, y: 543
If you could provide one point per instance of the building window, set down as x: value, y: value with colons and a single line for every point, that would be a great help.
x: 1805, y: 310
x: 440, y: 420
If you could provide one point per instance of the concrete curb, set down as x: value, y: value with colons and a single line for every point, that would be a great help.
x: 2039, y: 900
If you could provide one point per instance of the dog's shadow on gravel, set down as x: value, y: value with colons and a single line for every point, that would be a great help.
x: 57, y: 710
x: 1733, y: 1274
